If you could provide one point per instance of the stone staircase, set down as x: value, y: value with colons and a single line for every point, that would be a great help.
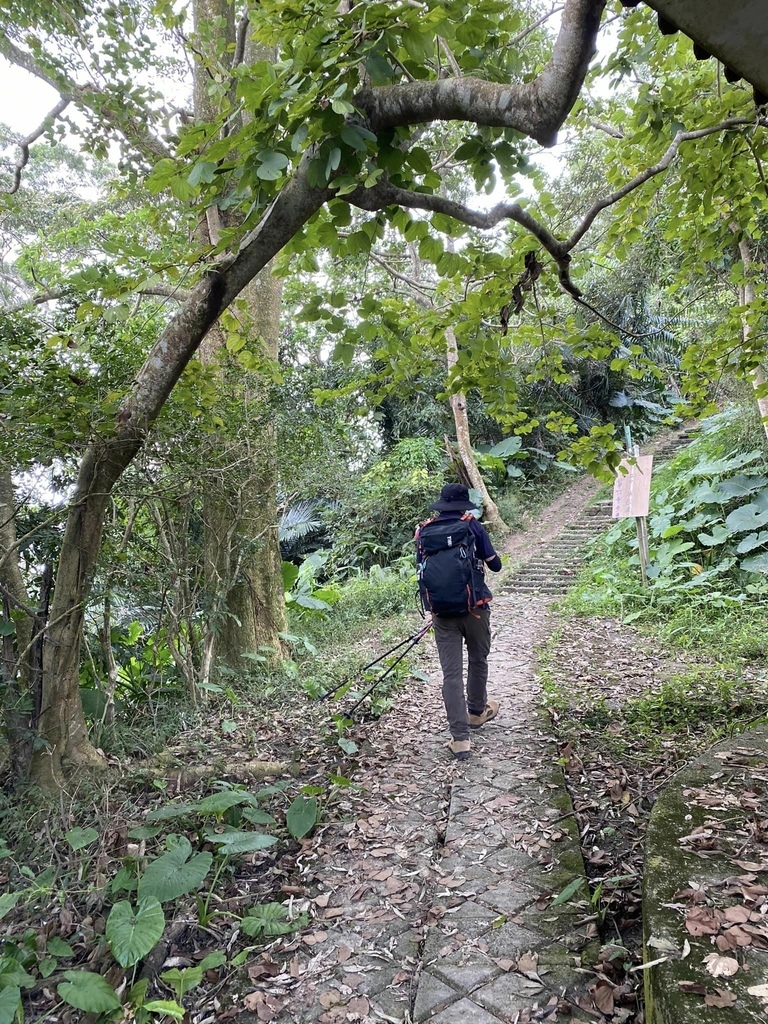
x: 553, y: 570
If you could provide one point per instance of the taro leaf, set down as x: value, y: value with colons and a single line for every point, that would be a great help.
x: 301, y: 816
x: 183, y: 981
x: 742, y: 485
x: 748, y: 517
x: 8, y: 901
x: 752, y: 541
x: 509, y: 446
x: 9, y: 1004
x: 80, y: 837
x: 257, y: 817
x: 757, y: 563
x: 719, y: 535
x: 133, y: 932
x: 88, y: 992
x: 170, y: 811
x: 241, y: 842
x: 175, y: 873
x: 270, y: 919
x: 56, y: 946
x: 217, y: 803
x: 568, y: 892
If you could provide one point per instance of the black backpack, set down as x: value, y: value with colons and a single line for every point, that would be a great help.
x: 450, y: 580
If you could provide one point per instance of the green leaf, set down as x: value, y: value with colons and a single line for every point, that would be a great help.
x: 357, y: 137
x: 748, y: 517
x: 509, y: 446
x: 752, y: 541
x: 742, y: 485
x: 171, y: 811
x: 183, y: 981
x: 8, y: 901
x: 719, y: 535
x: 56, y: 946
x: 757, y: 563
x: 166, y: 1006
x: 203, y: 171
x: 271, y: 164
x: 217, y: 803
x: 132, y: 933
x: 7, y: 627
x: 216, y: 959
x: 348, y: 746
x: 568, y: 892
x: 241, y: 842
x: 88, y: 992
x: 10, y: 1002
x: 175, y: 873
x: 80, y: 837
x: 257, y: 817
x: 290, y: 575
x: 270, y: 919
x: 301, y: 816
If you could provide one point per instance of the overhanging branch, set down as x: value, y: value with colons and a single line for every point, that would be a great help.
x: 537, y: 108
x: 27, y: 141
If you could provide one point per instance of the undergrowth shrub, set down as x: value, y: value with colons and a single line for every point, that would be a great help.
x: 708, y: 532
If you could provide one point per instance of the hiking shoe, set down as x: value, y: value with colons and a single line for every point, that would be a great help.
x: 491, y: 710
x: 460, y: 749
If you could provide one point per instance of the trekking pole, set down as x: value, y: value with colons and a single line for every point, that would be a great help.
x: 414, y: 640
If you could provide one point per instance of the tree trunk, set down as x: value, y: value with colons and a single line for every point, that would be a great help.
x: 17, y: 705
x: 492, y: 516
x: 241, y: 545
x: 757, y: 375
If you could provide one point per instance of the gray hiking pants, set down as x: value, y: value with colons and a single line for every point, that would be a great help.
x: 451, y: 635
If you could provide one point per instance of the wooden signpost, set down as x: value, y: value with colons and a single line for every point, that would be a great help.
x: 632, y: 497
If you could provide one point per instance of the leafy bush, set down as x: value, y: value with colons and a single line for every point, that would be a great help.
x: 390, y: 499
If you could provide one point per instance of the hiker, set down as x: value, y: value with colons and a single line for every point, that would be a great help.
x: 453, y: 549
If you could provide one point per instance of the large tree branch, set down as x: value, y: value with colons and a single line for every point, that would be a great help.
x: 537, y: 108
x: 133, y: 128
x: 27, y: 141
x: 651, y: 172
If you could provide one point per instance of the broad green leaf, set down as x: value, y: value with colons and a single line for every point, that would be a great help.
x: 184, y: 980
x: 203, y: 171
x: 290, y: 575
x: 217, y: 803
x: 301, y: 816
x: 56, y: 946
x: 175, y: 873
x: 241, y: 842
x: 752, y: 541
x: 216, y: 959
x: 748, y: 517
x: 742, y: 485
x: 271, y: 164
x: 257, y: 817
x: 80, y: 837
x: 171, y: 811
x: 7, y: 627
x: 509, y: 446
x: 8, y: 901
x: 719, y: 535
x: 10, y: 1002
x: 133, y: 931
x: 348, y: 746
x: 757, y: 563
x: 88, y: 992
x: 271, y: 919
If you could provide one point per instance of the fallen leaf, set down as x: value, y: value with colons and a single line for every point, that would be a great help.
x: 720, y: 966
x: 737, y: 915
x: 358, y: 1005
x: 694, y: 988
x: 721, y: 998
x: 504, y: 963
x: 761, y: 991
x: 343, y: 953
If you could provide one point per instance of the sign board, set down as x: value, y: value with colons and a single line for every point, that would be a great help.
x: 632, y: 488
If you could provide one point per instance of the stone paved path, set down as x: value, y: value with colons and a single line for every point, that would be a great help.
x: 432, y: 888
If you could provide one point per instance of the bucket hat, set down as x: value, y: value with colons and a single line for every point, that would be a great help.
x: 454, y: 498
